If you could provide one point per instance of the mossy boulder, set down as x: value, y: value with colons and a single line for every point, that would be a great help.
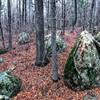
x: 3, y: 51
x: 1, y: 60
x: 95, y: 30
x: 23, y: 38
x: 4, y: 97
x: 9, y: 84
x: 97, y: 37
x: 60, y: 44
x: 82, y: 69
x: 90, y: 95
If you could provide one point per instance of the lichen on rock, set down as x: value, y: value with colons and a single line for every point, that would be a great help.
x: 97, y: 37
x: 4, y: 97
x: 9, y: 84
x: 82, y: 69
x: 23, y: 38
x: 60, y: 44
x: 1, y: 60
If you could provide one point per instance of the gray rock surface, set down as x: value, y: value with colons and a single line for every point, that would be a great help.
x: 61, y: 45
x: 82, y: 69
x: 23, y: 38
x: 9, y: 84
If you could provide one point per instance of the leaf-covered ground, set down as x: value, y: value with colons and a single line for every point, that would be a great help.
x: 36, y: 82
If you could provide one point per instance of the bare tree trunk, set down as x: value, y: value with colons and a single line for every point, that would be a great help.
x: 25, y: 11
x: 84, y: 18
x: 19, y: 13
x: 63, y: 19
x: 1, y: 30
x: 91, y: 15
x: 30, y: 6
x: 9, y: 24
x: 39, y: 28
x: 54, y: 69
x: 94, y: 16
x: 98, y: 14
x: 75, y: 19
x: 47, y: 15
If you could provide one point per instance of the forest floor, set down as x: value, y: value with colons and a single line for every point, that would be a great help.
x: 36, y: 82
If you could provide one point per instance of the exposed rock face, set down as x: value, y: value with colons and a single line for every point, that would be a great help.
x: 61, y: 45
x: 1, y: 60
x: 23, y: 38
x: 4, y: 97
x: 90, y: 96
x: 97, y: 37
x: 82, y: 69
x: 9, y: 85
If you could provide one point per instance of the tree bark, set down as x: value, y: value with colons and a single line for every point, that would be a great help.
x: 19, y: 13
x: 9, y: 24
x: 98, y: 14
x: 1, y: 30
x: 63, y: 19
x: 30, y: 9
x: 91, y: 15
x: 47, y: 16
x: 39, y: 28
x: 54, y: 68
x: 25, y: 11
x: 75, y: 19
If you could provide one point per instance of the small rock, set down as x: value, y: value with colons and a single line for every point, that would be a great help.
x: 14, y: 62
x: 23, y: 38
x: 4, y: 97
x: 1, y: 60
x: 90, y: 96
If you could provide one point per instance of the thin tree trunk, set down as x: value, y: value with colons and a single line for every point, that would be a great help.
x: 98, y: 14
x: 54, y: 68
x: 84, y: 18
x: 91, y: 15
x: 39, y: 28
x: 1, y: 30
x: 75, y: 19
x: 47, y: 15
x: 63, y: 19
x: 30, y: 3
x: 9, y: 24
x: 19, y: 13
x: 25, y: 11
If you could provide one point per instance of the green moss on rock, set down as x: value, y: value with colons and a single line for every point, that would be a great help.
x: 4, y: 97
x: 81, y: 68
x: 23, y: 38
x: 9, y: 85
x: 60, y: 44
x: 97, y: 37
x: 3, y: 51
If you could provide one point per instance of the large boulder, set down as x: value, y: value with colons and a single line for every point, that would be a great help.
x: 97, y: 37
x: 60, y: 44
x: 4, y: 97
x: 82, y: 69
x: 23, y: 38
x: 9, y: 84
